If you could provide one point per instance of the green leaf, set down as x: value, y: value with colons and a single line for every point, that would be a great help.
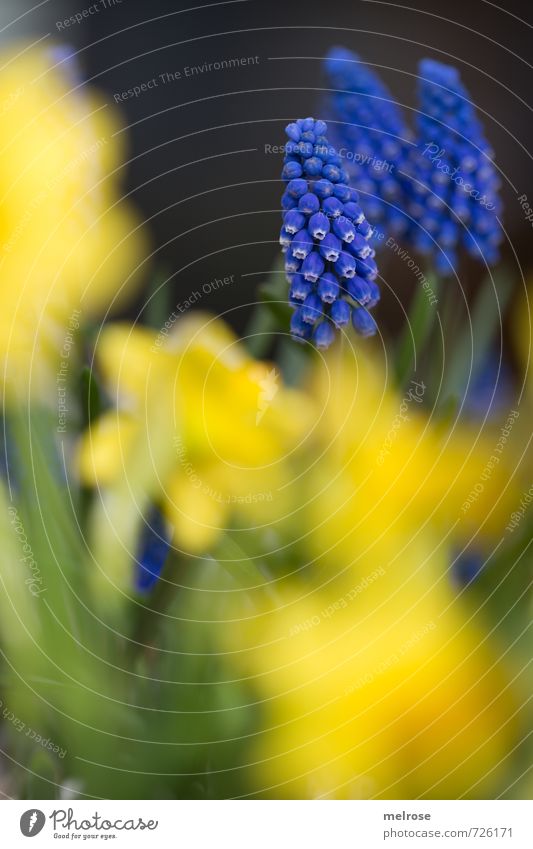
x: 90, y: 396
x: 420, y: 321
x: 272, y: 314
x: 248, y: 572
x: 294, y: 360
x: 157, y: 308
x: 469, y: 349
x: 42, y: 776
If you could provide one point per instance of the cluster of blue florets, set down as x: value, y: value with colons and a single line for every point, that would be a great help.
x: 325, y: 237
x: 152, y: 551
x: 440, y: 193
x: 453, y: 191
x: 371, y: 135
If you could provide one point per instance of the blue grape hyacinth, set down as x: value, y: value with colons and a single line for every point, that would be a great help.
x: 325, y: 235
x: 153, y: 550
x: 371, y: 135
x: 453, y: 183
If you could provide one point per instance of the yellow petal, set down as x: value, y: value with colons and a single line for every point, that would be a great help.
x: 197, y: 511
x: 125, y: 355
x: 105, y: 447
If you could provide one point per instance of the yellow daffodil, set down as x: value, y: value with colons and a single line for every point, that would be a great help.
x: 387, y: 469
x: 382, y: 682
x: 201, y: 428
x: 68, y: 244
x: 379, y: 684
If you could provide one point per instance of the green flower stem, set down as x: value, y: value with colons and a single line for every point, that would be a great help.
x: 421, y: 320
x: 245, y: 571
x: 468, y: 347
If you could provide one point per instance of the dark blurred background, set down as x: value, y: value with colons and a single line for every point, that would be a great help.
x: 196, y: 144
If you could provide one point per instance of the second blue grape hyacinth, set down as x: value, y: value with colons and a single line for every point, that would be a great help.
x: 454, y: 185
x: 371, y: 134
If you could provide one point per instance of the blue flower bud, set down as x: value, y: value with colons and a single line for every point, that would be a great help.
x: 292, y: 265
x: 345, y: 265
x: 305, y: 149
x: 366, y: 268
x: 342, y: 192
x: 323, y: 189
x: 328, y: 288
x: 300, y: 288
x: 359, y: 247
x: 297, y: 187
x: 331, y: 172
x: 312, y: 266
x: 301, y: 245
x: 323, y: 335
x: 311, y: 310
x: 365, y: 229
x: 313, y: 166
x: 363, y: 322
x: 285, y: 238
x: 375, y: 294
x: 300, y: 330
x: 294, y: 221
x: 344, y: 229
x: 288, y: 202
x: 293, y: 131
x: 330, y: 247
x: 358, y: 289
x: 332, y: 207
x: 291, y: 171
x: 321, y: 150
x: 309, y: 204
x: 340, y: 312
x: 292, y: 149
x: 153, y: 549
x: 354, y: 212
x: 318, y: 225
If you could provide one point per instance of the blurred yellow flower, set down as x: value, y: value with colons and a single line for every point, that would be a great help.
x: 382, y: 682
x: 387, y: 469
x: 201, y: 428
x: 379, y: 684
x: 69, y: 245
